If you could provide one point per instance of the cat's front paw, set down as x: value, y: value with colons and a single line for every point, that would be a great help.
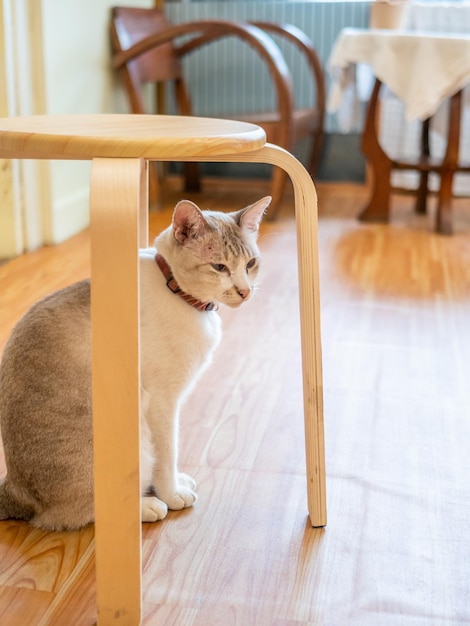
x: 187, y: 481
x: 180, y: 497
x: 152, y: 509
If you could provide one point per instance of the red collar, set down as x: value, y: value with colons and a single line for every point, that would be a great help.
x: 175, y: 288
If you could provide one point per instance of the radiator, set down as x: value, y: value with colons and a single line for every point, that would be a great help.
x: 249, y: 86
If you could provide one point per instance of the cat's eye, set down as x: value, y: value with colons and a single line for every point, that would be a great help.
x: 251, y: 263
x: 219, y: 267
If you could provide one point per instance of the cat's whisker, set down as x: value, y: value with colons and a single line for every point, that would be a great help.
x: 267, y: 236
x: 256, y: 290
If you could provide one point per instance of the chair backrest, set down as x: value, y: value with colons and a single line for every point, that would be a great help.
x: 156, y: 60
x: 130, y: 25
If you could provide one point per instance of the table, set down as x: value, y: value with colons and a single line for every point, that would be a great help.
x: 423, y: 70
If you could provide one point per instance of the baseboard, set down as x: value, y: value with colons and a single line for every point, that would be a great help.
x: 70, y: 215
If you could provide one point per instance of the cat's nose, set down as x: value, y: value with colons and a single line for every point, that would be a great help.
x: 244, y: 293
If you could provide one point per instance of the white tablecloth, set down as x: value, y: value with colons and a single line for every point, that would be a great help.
x: 421, y: 69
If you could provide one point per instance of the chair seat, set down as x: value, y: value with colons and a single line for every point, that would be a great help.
x: 306, y: 120
x: 135, y: 136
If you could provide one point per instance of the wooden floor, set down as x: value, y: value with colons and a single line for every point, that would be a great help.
x: 396, y: 345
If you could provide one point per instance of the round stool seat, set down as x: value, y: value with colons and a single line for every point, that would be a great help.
x: 120, y: 135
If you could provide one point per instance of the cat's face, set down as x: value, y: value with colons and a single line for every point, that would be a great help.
x: 217, y: 258
x: 226, y: 262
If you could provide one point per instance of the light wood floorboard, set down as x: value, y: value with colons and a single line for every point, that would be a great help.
x: 396, y: 339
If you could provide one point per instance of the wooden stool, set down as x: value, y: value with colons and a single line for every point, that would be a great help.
x: 120, y: 147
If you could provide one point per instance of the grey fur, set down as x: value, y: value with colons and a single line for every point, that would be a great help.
x: 49, y: 437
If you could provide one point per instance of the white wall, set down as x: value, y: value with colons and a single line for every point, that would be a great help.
x: 78, y: 79
x: 54, y: 58
x: 66, y: 42
x: 23, y: 184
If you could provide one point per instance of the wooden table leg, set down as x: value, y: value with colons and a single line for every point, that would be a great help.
x: 118, y: 208
x: 444, y: 209
x: 378, y: 207
x: 449, y: 167
x: 423, y: 186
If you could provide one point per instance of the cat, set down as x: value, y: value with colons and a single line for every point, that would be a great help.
x: 203, y: 259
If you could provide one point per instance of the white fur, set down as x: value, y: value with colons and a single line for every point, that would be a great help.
x: 169, y: 326
x: 178, y: 341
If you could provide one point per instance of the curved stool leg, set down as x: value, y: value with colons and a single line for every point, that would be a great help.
x: 307, y: 258
x: 309, y: 297
x: 118, y: 186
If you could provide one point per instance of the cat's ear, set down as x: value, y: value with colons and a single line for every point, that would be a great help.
x: 188, y: 221
x: 250, y: 217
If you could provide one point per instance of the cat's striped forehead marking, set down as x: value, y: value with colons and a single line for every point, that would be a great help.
x: 235, y: 246
x: 230, y: 234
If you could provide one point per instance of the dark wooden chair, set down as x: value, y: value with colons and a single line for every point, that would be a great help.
x: 146, y: 48
x: 378, y: 207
